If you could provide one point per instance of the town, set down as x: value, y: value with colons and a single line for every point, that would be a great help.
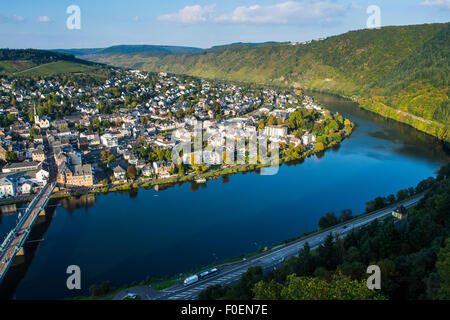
x: 120, y: 130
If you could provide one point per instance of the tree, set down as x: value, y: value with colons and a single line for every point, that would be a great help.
x: 181, y: 171
x: 267, y: 290
x: 444, y: 172
x: 305, y: 288
x: 107, y: 157
x: 320, y: 147
x: 261, y: 124
x: 346, y: 214
x: 131, y: 172
x: 391, y: 279
x: 34, y: 132
x: 304, y: 265
x: 212, y: 292
x: 391, y: 199
x: 248, y: 280
x: 271, y: 120
x: 402, y: 194
x: 328, y: 220
x: 376, y: 204
x: 10, y: 156
x: 347, y: 123
x: 328, y: 253
x: 443, y: 269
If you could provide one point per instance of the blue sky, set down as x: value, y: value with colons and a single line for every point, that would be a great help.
x: 199, y: 23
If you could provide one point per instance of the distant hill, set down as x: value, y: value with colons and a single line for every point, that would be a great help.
x: 40, y: 63
x: 127, y: 49
x: 400, y: 72
x: 237, y: 45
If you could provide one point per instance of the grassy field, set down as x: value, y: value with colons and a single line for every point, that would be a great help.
x: 43, y: 63
x: 12, y: 66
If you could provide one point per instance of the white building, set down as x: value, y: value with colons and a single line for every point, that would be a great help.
x: 308, y: 138
x: 43, y: 122
x: 119, y: 173
x: 7, y: 188
x: 275, y: 131
x: 109, y: 140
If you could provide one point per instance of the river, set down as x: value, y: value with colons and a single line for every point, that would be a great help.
x: 125, y: 237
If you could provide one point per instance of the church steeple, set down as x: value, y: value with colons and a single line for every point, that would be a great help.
x: 36, y: 116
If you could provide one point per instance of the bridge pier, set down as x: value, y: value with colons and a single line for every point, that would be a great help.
x: 21, y: 252
x: 42, y: 212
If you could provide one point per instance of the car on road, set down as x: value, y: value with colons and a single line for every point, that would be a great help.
x: 190, y: 280
x: 130, y: 296
x: 208, y: 272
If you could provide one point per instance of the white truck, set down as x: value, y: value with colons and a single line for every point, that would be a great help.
x: 190, y: 280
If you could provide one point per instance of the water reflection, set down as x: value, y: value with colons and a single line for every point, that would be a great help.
x: 403, y: 139
x: 83, y: 201
x: 8, y: 209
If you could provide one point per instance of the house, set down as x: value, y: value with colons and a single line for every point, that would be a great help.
x: 20, y: 166
x: 60, y: 124
x: 308, y: 138
x: 400, y: 213
x: 26, y: 187
x: 140, y: 164
x: 275, y: 131
x: 119, y: 173
x: 109, y: 140
x: 162, y: 167
x: 147, y: 171
x: 265, y: 109
x: 7, y: 188
x: 38, y: 155
x: 83, y: 144
x: 92, y: 137
x: 75, y: 176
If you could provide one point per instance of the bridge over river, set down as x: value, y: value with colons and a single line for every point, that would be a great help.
x: 13, y: 243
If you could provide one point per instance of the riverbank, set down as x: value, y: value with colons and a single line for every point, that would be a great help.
x: 228, y: 170
x: 372, y: 104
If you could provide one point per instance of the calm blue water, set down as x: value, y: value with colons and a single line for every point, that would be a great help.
x: 126, y: 237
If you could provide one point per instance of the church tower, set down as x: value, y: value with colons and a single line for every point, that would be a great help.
x: 36, y: 116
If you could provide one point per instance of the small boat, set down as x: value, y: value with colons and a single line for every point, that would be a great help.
x: 202, y: 180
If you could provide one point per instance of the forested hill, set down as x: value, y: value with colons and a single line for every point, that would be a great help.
x: 400, y: 72
x: 37, y: 56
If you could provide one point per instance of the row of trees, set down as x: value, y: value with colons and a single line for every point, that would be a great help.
x: 382, y: 202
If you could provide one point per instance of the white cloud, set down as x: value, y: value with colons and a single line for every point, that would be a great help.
x: 445, y: 4
x: 190, y: 14
x: 355, y: 5
x: 290, y: 12
x: 44, y: 19
x: 18, y: 18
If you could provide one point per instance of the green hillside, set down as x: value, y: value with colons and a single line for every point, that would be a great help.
x: 42, y: 63
x: 54, y: 68
x: 398, y: 72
